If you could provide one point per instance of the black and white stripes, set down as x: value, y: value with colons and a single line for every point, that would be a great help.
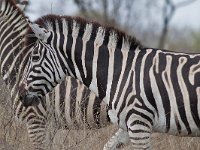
x: 145, y: 89
x: 69, y: 97
x: 76, y: 106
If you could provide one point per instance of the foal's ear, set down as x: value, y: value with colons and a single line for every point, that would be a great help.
x: 40, y: 32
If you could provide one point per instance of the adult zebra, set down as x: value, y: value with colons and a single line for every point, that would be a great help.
x: 88, y: 110
x: 146, y: 89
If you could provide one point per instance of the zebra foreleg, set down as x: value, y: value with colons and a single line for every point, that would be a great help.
x: 121, y: 136
x: 139, y: 131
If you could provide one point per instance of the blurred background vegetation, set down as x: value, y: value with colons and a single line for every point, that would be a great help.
x: 149, y: 21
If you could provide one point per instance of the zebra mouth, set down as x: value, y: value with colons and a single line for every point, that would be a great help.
x: 29, y: 100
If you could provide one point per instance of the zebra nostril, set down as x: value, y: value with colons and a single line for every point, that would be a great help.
x: 35, y: 100
x: 20, y: 97
x: 24, y: 100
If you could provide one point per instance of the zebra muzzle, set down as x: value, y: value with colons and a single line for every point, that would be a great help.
x: 29, y: 100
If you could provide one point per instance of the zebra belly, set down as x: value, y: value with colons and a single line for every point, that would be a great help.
x: 76, y: 107
x: 86, y: 119
x: 77, y: 116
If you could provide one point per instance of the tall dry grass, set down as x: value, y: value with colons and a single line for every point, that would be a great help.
x: 13, y: 135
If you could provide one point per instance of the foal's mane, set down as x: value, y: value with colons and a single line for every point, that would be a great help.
x: 49, y: 22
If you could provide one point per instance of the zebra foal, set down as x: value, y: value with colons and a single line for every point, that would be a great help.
x: 88, y: 110
x: 147, y: 90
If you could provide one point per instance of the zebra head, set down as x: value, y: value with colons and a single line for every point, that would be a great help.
x: 39, y: 32
x: 41, y: 74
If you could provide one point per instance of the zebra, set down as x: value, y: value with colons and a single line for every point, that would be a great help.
x: 146, y: 89
x: 14, y: 56
x: 85, y: 109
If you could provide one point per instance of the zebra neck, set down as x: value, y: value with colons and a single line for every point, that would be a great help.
x: 90, y: 52
x: 97, y: 64
x: 13, y: 54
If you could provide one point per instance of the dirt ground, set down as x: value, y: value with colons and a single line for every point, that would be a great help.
x: 13, y: 136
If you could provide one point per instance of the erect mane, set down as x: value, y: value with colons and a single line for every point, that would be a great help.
x: 49, y: 22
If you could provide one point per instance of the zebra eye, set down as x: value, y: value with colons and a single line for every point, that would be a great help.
x: 35, y: 58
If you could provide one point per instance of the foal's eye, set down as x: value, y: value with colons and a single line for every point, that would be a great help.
x: 35, y: 58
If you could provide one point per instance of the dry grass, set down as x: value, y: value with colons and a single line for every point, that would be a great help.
x: 14, y: 136
x: 96, y: 139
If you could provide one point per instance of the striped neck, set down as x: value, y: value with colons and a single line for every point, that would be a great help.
x: 88, y: 51
x: 13, y: 54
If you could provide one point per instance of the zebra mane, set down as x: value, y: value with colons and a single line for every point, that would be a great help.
x: 49, y: 22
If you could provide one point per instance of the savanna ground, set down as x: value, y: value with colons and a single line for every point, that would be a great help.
x: 13, y: 135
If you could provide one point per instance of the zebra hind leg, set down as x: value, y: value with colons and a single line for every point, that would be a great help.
x: 139, y: 130
x: 120, y: 137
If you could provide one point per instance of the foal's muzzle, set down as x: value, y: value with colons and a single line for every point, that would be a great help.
x: 29, y: 100
x: 26, y: 98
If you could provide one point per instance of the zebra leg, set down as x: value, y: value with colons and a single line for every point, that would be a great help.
x: 37, y: 132
x: 121, y: 136
x: 139, y: 130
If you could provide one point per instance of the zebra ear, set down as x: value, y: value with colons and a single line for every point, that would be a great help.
x: 40, y: 32
x: 22, y: 5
